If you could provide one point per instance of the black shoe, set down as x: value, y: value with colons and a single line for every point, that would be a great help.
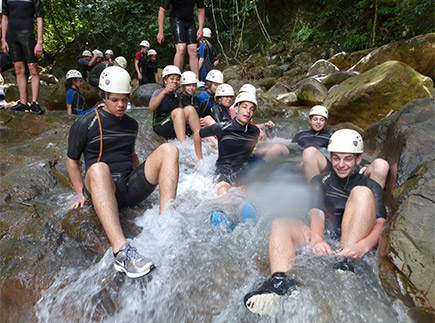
x: 344, y: 265
x: 263, y: 300
x: 20, y: 107
x: 34, y: 107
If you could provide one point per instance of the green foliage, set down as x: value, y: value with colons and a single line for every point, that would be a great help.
x: 304, y: 33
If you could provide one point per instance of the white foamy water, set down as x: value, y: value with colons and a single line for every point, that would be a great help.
x: 203, y: 274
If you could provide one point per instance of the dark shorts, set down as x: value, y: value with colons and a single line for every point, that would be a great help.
x: 183, y: 31
x: 22, y: 46
x: 233, y: 177
x: 165, y: 128
x: 5, y: 62
x: 131, y: 187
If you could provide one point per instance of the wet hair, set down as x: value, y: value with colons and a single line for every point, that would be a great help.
x: 70, y: 82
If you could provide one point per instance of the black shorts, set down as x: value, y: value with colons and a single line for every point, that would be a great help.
x: 131, y: 187
x: 165, y: 128
x: 225, y: 173
x: 183, y: 31
x: 5, y: 62
x: 22, y: 46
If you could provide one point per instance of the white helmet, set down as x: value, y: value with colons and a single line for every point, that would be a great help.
x: 346, y: 141
x: 95, y: 51
x: 224, y: 90
x: 188, y: 77
x: 109, y: 51
x: 215, y: 76
x: 249, y: 88
x: 121, y: 61
x: 72, y: 74
x: 87, y: 53
x: 206, y: 32
x: 152, y: 52
x: 99, y: 53
x: 169, y: 70
x: 144, y: 43
x: 319, y: 110
x: 115, y: 79
x: 245, y: 96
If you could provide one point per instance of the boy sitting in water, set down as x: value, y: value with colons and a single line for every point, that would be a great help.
x: 346, y: 205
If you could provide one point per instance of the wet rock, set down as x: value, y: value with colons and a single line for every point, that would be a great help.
x: 255, y: 73
x: 234, y: 72
x: 341, y: 60
x: 366, y: 98
x: 284, y: 67
x: 269, y: 107
x: 266, y: 82
x: 405, y: 139
x: 322, y: 67
x: 355, y: 57
x: 272, y: 71
x: 277, y: 89
x: 257, y: 59
x: 417, y: 52
x: 9, y: 76
x: 311, y: 92
x: 55, y: 98
x: 290, y: 98
x: 142, y: 95
x: 237, y: 84
x: 294, y: 72
x: 49, y: 78
x: 337, y: 78
x: 407, y: 251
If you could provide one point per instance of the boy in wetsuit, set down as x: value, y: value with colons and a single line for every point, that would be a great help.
x: 183, y: 30
x: 206, y: 98
x: 114, y: 176
x: 18, y: 41
x: 236, y: 141
x: 344, y: 204
x: 170, y: 119
x: 150, y: 74
x: 140, y: 58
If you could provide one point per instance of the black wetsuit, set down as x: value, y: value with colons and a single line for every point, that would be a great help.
x: 162, y: 121
x: 83, y: 67
x: 119, y: 136
x: 235, y: 145
x: 148, y: 70
x: 220, y: 113
x: 94, y: 74
x: 20, y: 37
x: 329, y: 193
x: 311, y: 138
x: 182, y: 21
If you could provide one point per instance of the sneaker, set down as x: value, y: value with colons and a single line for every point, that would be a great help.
x: 34, y: 107
x: 249, y: 213
x: 20, y: 107
x: 132, y: 263
x: 264, y: 300
x: 220, y: 219
x: 344, y: 265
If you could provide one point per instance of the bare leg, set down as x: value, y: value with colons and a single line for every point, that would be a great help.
x: 179, y: 55
x: 20, y: 71
x: 359, y: 215
x: 192, y: 118
x: 193, y: 59
x: 33, y: 69
x: 100, y: 184
x: 276, y: 151
x: 179, y: 120
x: 222, y: 188
x: 378, y: 171
x: 285, y: 235
x: 314, y: 162
x: 161, y: 168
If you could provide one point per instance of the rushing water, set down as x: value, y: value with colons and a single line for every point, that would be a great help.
x: 202, y: 272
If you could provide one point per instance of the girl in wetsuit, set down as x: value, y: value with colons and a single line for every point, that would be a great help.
x: 220, y: 111
x: 214, y: 78
x: 75, y: 102
x: 169, y: 117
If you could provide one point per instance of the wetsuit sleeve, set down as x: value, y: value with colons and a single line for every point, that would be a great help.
x: 37, y: 4
x: 379, y: 198
x: 70, y: 96
x: 214, y: 113
x: 78, y: 137
x: 200, y: 3
x: 213, y: 130
x: 317, y: 200
x: 166, y: 4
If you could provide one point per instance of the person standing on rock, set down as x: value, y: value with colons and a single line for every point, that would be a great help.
x: 150, y: 73
x: 18, y: 41
x: 114, y: 176
x: 170, y: 119
x: 345, y: 206
x: 140, y: 58
x: 183, y: 30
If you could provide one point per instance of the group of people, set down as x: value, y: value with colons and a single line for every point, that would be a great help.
x: 346, y: 212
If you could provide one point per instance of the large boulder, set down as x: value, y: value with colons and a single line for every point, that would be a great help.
x: 366, y: 98
x: 303, y: 61
x: 405, y: 139
x: 234, y: 72
x: 311, y: 92
x: 277, y: 89
x: 272, y: 71
x: 322, y: 67
x: 290, y: 99
x: 142, y: 95
x: 269, y: 107
x: 337, y: 78
x: 341, y: 60
x: 417, y: 52
x: 265, y: 83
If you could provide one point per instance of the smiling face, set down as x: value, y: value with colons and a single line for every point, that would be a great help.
x: 189, y: 89
x: 116, y: 103
x: 245, y: 112
x: 226, y: 101
x: 172, y: 82
x: 317, y: 122
x: 344, y: 163
x: 213, y: 86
